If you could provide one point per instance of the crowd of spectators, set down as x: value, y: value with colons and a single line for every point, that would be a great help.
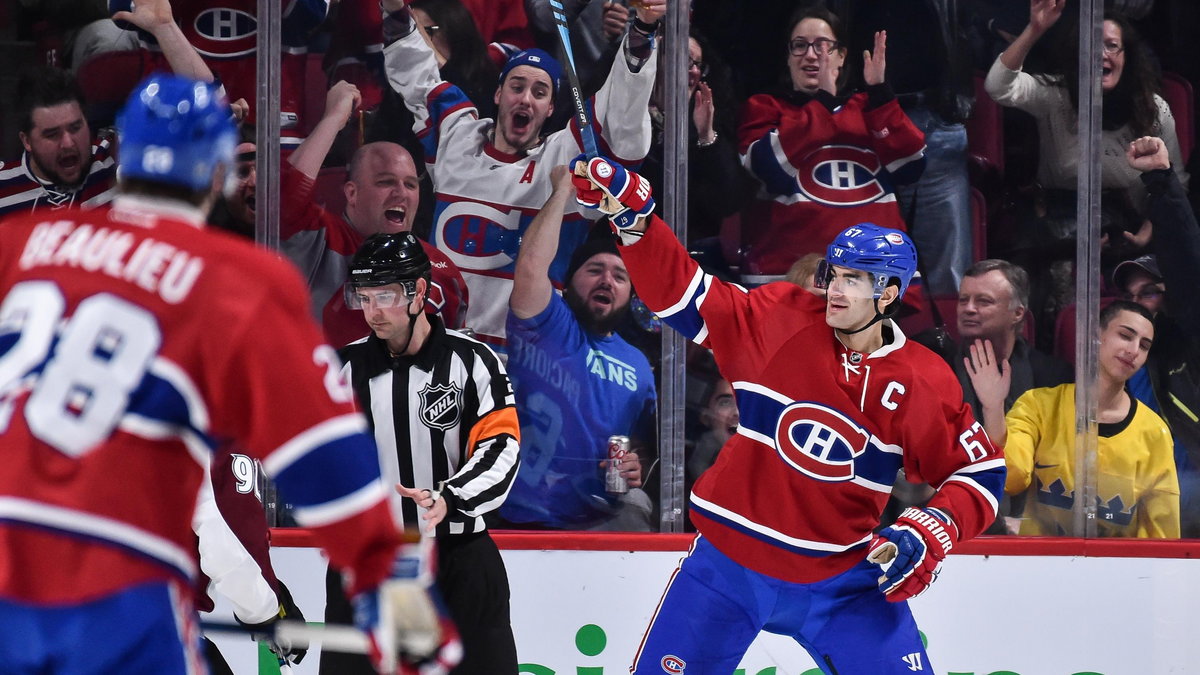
x: 448, y: 118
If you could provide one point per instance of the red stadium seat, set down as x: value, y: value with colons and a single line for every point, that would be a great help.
x: 106, y: 80
x: 327, y: 191
x: 947, y: 306
x: 316, y: 84
x: 979, y: 215
x: 1177, y: 92
x: 985, y: 139
x: 1064, y: 331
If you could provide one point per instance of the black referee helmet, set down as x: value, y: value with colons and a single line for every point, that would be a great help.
x: 389, y: 258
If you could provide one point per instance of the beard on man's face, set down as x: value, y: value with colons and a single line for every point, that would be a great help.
x: 597, y: 322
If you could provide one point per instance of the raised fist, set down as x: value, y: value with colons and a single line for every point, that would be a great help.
x: 606, y: 186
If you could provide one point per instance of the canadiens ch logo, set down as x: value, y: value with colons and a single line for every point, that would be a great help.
x: 441, y: 406
x: 819, y: 442
x: 672, y: 664
x: 478, y: 237
x: 840, y: 175
x: 225, y: 32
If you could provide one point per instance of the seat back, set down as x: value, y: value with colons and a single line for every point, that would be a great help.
x: 1177, y: 92
x: 107, y: 79
x: 1064, y: 331
x: 316, y: 85
x: 327, y: 189
x: 979, y: 234
x: 947, y: 307
x: 985, y: 132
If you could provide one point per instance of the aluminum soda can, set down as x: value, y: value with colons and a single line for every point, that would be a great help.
x: 614, y: 482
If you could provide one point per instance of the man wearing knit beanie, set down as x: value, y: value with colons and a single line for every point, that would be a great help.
x: 577, y: 382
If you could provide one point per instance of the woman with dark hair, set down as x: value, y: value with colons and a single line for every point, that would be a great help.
x: 822, y: 161
x: 1043, y: 240
x: 461, y: 53
x: 1131, y: 107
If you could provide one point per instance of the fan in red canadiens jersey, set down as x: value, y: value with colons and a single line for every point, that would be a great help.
x: 827, y: 418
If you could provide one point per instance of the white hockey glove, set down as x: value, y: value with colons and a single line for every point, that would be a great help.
x: 400, y: 617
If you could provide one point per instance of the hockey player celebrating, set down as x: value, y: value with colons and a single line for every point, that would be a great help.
x: 827, y: 418
x: 115, y: 390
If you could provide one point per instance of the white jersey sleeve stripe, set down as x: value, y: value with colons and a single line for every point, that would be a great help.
x: 807, y: 546
x: 342, y: 508
x: 306, y: 441
x: 81, y: 524
x: 977, y: 487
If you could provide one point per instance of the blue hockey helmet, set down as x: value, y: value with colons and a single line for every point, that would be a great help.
x: 883, y: 252
x: 177, y: 131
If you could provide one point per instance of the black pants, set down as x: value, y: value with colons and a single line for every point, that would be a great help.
x: 474, y: 585
x: 217, y: 665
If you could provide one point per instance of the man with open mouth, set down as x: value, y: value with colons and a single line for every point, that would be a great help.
x: 577, y: 383
x: 490, y: 177
x: 381, y: 194
x: 63, y: 163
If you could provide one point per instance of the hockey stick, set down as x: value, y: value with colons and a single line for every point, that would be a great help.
x: 334, y: 637
x: 586, y: 131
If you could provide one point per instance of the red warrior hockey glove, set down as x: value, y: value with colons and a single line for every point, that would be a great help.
x: 605, y: 185
x: 916, y: 545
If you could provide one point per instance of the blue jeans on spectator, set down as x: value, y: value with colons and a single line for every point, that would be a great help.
x: 942, y: 227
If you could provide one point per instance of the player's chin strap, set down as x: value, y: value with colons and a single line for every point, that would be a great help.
x: 879, y: 316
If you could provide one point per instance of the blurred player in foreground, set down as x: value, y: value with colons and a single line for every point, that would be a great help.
x: 115, y: 389
x: 827, y: 419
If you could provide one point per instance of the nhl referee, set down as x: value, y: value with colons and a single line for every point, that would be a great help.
x: 442, y: 410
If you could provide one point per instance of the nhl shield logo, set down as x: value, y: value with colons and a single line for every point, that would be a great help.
x: 441, y: 406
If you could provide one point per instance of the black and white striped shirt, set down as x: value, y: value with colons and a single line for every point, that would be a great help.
x: 446, y: 413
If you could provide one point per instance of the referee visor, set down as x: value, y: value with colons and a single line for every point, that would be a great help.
x: 398, y: 294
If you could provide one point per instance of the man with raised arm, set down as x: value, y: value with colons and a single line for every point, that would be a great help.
x: 382, y: 191
x: 833, y: 400
x: 598, y: 386
x: 64, y: 164
x: 491, y: 178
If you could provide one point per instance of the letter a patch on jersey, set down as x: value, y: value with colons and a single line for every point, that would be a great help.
x: 441, y: 406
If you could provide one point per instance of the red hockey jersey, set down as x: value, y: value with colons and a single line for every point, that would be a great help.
x: 821, y: 171
x: 132, y: 343
x: 226, y: 34
x: 797, y: 491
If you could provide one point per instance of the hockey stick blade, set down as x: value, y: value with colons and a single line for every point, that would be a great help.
x: 586, y: 130
x: 333, y: 637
